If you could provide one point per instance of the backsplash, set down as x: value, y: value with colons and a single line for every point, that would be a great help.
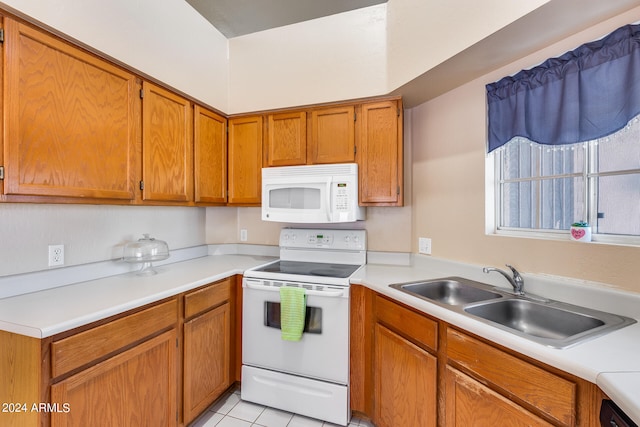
x: 89, y: 233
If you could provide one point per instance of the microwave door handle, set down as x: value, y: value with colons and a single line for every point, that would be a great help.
x: 328, y: 199
x: 336, y: 293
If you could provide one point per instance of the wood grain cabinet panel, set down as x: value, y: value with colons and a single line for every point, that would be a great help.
x: 286, y: 143
x: 167, y: 146
x: 333, y: 135
x: 245, y: 160
x: 135, y: 388
x: 471, y: 404
x: 203, y: 299
x: 82, y: 348
x: 419, y: 328
x: 405, y: 382
x: 542, y: 390
x: 380, y: 154
x: 207, y: 347
x: 71, y: 120
x: 210, y: 156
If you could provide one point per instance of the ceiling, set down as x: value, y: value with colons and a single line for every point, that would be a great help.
x: 239, y: 17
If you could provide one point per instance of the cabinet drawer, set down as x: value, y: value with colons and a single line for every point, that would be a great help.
x: 210, y: 296
x: 415, y: 326
x: 549, y: 393
x: 82, y: 348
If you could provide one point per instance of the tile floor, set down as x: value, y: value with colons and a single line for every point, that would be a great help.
x: 230, y: 411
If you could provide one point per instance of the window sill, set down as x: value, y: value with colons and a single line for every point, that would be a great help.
x: 631, y: 241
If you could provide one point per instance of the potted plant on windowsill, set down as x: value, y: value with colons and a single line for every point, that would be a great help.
x: 580, y: 231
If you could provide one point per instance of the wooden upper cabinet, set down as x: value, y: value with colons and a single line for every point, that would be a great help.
x: 333, y: 135
x: 210, y: 156
x: 70, y: 118
x: 286, y: 143
x: 167, y: 146
x: 245, y: 160
x: 380, y: 154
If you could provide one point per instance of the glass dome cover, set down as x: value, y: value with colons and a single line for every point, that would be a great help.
x: 146, y: 250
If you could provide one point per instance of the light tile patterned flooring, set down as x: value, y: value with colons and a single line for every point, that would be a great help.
x: 230, y: 411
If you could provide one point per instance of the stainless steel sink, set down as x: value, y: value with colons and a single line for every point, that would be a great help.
x: 551, y: 323
x: 449, y: 291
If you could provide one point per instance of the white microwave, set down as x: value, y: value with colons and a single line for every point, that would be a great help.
x: 311, y: 194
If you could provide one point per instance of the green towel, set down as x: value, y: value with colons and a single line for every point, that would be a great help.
x: 293, y: 307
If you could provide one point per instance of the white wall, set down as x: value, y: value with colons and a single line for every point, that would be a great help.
x: 365, y: 52
x: 328, y: 59
x: 423, y: 34
x: 89, y: 233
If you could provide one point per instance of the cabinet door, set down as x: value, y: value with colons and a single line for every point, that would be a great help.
x: 206, y: 360
x: 286, y: 139
x: 70, y: 120
x: 469, y: 403
x: 245, y: 160
x: 380, y: 154
x: 134, y: 388
x: 210, y: 156
x: 333, y: 135
x: 167, y: 154
x: 404, y: 382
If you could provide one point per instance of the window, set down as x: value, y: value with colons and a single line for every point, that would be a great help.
x: 546, y: 188
x: 564, y: 138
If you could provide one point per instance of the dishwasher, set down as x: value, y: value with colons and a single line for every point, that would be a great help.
x: 612, y: 416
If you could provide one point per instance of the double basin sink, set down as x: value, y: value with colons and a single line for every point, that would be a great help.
x: 551, y: 323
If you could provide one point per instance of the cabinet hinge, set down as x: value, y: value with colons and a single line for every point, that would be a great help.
x: 355, y: 148
x: 141, y: 185
x: 141, y: 93
x: 1, y: 172
x: 398, y: 112
x: 1, y: 35
x: 398, y: 190
x: 355, y: 116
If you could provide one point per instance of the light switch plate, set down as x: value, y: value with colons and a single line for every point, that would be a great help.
x: 424, y: 245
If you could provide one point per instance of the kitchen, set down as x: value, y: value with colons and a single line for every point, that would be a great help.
x: 440, y: 204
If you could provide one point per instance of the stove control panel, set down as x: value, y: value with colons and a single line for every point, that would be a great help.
x: 305, y: 238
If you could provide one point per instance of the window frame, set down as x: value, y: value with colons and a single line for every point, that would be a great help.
x: 589, y: 174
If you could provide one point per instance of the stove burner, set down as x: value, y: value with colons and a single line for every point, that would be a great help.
x: 310, y: 269
x: 327, y: 272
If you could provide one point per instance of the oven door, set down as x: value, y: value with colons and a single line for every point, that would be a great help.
x: 323, y: 351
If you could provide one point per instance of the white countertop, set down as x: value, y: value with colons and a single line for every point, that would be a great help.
x: 45, y: 313
x: 611, y: 361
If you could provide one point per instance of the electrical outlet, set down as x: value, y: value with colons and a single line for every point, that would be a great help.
x: 56, y: 255
x: 243, y: 235
x: 424, y: 245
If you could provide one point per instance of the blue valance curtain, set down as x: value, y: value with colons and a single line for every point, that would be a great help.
x: 582, y: 95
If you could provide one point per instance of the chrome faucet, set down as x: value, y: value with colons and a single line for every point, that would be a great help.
x: 516, y: 281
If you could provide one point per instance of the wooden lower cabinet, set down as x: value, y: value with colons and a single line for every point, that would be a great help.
x: 207, y: 349
x: 157, y: 365
x: 420, y: 371
x: 405, y: 382
x: 469, y: 403
x: 134, y: 388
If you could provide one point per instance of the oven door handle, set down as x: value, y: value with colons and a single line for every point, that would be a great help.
x: 328, y: 294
